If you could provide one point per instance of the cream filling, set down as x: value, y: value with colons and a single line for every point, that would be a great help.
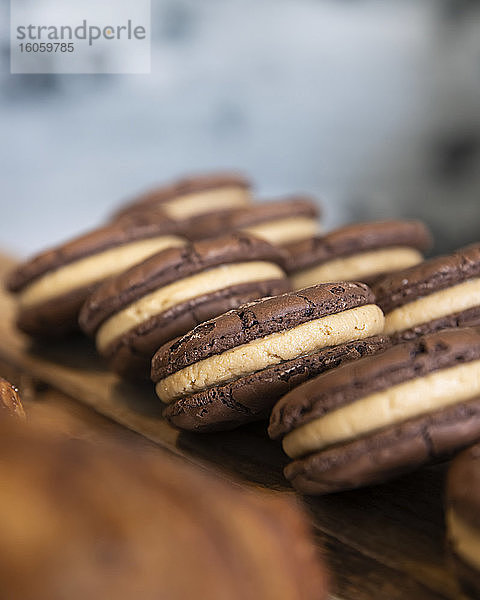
x: 388, y: 407
x: 465, y: 539
x: 197, y: 203
x: 434, y: 306
x: 93, y: 269
x: 285, y: 231
x: 180, y: 291
x: 353, y: 268
x: 356, y: 323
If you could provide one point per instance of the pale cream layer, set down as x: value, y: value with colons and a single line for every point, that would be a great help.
x: 94, y: 268
x: 464, y: 538
x: 388, y: 407
x: 183, y: 290
x: 434, y: 306
x: 353, y: 324
x: 206, y: 201
x: 285, y: 231
x: 353, y: 268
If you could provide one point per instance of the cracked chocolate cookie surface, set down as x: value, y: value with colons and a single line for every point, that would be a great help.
x: 381, y: 416
x: 138, y: 311
x: 233, y: 368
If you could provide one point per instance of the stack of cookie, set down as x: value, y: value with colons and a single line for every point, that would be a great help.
x: 232, y: 369
x: 133, y: 314
x: 214, y: 320
x: 243, y: 312
x: 205, y: 205
x: 53, y: 286
x: 382, y: 416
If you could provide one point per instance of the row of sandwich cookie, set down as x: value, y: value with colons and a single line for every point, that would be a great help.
x: 141, y: 284
x: 354, y: 405
x: 437, y: 294
x: 317, y: 328
x: 361, y: 383
x: 133, y: 314
x: 165, y: 296
x: 415, y: 400
x: 52, y: 286
x: 202, y: 205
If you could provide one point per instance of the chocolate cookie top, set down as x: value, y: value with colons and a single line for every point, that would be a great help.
x: 182, y: 187
x: 85, y: 245
x: 360, y: 237
x: 10, y: 403
x: 265, y: 212
x: 171, y: 265
x: 372, y: 374
x: 463, y: 485
x: 284, y: 208
x: 256, y: 320
x: 155, y: 214
x: 428, y: 277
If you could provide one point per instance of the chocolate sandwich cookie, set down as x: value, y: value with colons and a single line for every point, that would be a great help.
x: 133, y: 314
x: 52, y: 286
x: 381, y: 416
x: 232, y: 369
x: 463, y: 518
x: 440, y: 293
x: 279, y: 222
x: 10, y: 403
x: 361, y: 252
x: 186, y: 199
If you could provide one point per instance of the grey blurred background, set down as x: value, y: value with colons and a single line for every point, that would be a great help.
x: 372, y: 106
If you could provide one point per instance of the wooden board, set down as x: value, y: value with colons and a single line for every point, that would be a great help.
x: 384, y: 542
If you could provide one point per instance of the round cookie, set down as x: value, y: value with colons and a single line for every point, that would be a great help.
x: 118, y: 520
x: 10, y: 402
x: 360, y: 252
x: 381, y: 416
x: 463, y: 518
x: 52, y: 286
x: 232, y: 369
x: 279, y: 222
x: 136, y: 312
x: 440, y: 293
x: 188, y: 198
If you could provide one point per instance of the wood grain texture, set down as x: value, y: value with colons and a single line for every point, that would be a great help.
x: 383, y: 542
